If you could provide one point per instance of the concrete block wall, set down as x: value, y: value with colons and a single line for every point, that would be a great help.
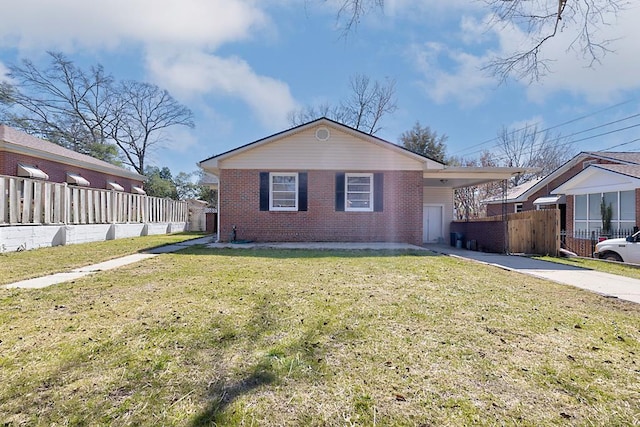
x: 400, y: 220
x: 86, y: 233
x: 26, y: 237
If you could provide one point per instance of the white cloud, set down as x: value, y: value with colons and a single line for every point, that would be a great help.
x: 455, y: 73
x: 73, y: 24
x: 451, y: 75
x: 194, y: 28
x: 195, y: 72
x: 535, y: 121
x: 426, y: 10
x: 605, y: 81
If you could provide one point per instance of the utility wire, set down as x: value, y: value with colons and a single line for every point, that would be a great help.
x: 562, y: 137
x: 546, y: 129
x: 536, y: 146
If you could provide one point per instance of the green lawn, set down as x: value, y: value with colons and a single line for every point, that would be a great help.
x: 15, y: 266
x: 321, y: 338
x: 618, y: 268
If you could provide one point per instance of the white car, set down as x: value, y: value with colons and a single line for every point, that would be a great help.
x: 621, y: 250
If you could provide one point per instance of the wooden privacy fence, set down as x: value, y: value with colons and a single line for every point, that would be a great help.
x: 28, y: 201
x: 534, y: 232
x: 530, y: 232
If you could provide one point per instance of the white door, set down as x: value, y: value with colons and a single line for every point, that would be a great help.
x: 432, y: 216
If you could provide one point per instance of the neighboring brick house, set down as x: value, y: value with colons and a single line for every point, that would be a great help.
x: 615, y: 185
x: 324, y: 181
x: 513, y: 201
x: 615, y: 179
x: 27, y: 156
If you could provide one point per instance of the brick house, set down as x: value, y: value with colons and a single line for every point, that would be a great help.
x: 27, y: 156
x: 615, y: 184
x: 578, y: 187
x: 324, y: 181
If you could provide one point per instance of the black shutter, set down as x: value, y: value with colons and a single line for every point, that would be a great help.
x: 302, y: 191
x: 378, y: 192
x: 264, y: 191
x: 340, y: 192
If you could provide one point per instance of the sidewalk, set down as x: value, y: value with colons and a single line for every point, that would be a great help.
x: 54, y: 279
x: 609, y: 285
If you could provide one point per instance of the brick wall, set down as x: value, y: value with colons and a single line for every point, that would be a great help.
x: 58, y: 171
x: 400, y: 220
x: 495, y: 209
x: 489, y: 236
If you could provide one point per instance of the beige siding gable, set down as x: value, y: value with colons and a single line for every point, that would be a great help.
x: 341, y: 151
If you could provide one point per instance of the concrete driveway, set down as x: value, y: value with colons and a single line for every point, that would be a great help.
x: 606, y: 284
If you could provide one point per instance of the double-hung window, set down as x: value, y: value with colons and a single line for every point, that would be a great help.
x: 283, y: 191
x: 359, y: 192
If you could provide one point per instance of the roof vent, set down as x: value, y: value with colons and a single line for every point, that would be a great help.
x: 322, y: 134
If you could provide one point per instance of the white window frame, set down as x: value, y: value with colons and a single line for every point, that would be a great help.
x: 595, y: 223
x: 272, y: 175
x: 347, y: 192
x: 518, y: 207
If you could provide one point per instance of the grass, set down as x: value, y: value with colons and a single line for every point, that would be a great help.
x: 15, y: 266
x: 612, y: 267
x: 321, y: 338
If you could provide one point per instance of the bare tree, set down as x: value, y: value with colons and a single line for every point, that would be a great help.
x: 368, y: 102
x: 530, y: 147
x: 88, y: 111
x: 62, y: 103
x: 539, y: 20
x: 468, y: 200
x: 311, y: 112
x: 143, y: 112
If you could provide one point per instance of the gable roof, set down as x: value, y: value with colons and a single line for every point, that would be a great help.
x: 17, y: 141
x: 602, y: 178
x: 627, y: 158
x: 212, y: 162
x: 632, y: 171
x: 514, y: 194
x: 619, y: 157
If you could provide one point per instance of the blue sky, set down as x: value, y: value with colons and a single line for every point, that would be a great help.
x: 243, y: 65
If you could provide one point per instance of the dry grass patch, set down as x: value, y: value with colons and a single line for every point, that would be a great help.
x: 274, y: 337
x: 16, y: 266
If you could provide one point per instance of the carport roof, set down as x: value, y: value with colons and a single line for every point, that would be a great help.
x: 459, y: 177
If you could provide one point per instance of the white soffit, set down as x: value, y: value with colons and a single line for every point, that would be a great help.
x: 597, y: 180
x: 114, y: 186
x: 74, y: 178
x: 31, y: 172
